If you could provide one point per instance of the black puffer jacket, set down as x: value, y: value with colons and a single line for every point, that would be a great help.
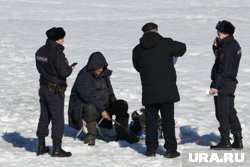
x: 52, y: 64
x: 89, y: 88
x: 153, y: 59
x: 227, y: 60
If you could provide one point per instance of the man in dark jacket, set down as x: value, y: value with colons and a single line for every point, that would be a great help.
x: 92, y: 98
x: 53, y: 68
x: 153, y: 59
x: 224, y: 72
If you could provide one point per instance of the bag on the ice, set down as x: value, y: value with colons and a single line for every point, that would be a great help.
x: 138, y: 124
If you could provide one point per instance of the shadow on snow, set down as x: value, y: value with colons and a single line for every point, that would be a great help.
x: 190, y: 135
x: 15, y: 138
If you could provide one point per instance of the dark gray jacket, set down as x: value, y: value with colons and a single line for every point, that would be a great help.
x: 89, y: 88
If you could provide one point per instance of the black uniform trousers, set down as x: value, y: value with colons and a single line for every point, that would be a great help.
x: 225, y: 111
x: 168, y: 126
x: 52, y: 109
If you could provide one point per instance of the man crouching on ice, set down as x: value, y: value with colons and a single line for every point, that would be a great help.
x: 92, y: 98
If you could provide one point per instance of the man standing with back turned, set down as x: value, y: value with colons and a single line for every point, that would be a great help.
x: 53, y: 68
x: 224, y: 72
x: 153, y: 59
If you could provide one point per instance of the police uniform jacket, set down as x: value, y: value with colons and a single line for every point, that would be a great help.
x: 52, y: 64
x: 227, y: 60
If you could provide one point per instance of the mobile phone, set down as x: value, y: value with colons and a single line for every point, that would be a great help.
x: 74, y: 64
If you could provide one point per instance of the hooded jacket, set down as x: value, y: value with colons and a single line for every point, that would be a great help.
x: 89, y: 88
x: 153, y: 59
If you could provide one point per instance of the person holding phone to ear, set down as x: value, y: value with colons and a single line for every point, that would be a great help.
x: 224, y: 73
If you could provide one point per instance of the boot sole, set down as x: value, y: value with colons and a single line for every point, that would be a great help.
x: 238, y: 148
x: 61, y: 156
x: 43, y: 152
x: 90, y: 144
x: 221, y: 148
x: 172, y: 155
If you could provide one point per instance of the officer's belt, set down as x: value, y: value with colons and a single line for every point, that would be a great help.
x: 54, y: 88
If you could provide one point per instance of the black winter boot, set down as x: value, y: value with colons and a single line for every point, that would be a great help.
x: 237, y: 144
x: 150, y: 153
x: 42, y: 148
x: 58, y: 151
x: 122, y: 132
x: 91, y: 135
x: 224, y: 144
x: 172, y: 154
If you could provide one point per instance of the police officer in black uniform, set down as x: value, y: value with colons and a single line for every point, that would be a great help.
x: 224, y: 72
x: 53, y: 68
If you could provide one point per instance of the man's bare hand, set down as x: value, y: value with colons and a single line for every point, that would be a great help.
x: 212, y: 91
x: 105, y: 115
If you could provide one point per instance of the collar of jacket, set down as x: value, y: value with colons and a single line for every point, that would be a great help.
x: 53, y: 44
x: 150, y: 39
x: 227, y: 39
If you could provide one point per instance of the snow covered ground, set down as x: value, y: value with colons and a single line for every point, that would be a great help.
x: 113, y: 27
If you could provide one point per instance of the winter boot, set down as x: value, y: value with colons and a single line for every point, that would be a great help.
x: 58, y: 151
x: 42, y: 148
x: 149, y: 153
x: 224, y: 144
x: 122, y: 132
x: 91, y: 135
x: 173, y: 154
x: 237, y: 144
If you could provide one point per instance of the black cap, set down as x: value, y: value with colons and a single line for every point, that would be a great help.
x: 55, y: 33
x: 149, y: 26
x: 225, y: 27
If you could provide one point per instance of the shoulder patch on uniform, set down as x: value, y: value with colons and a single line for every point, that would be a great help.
x: 42, y: 59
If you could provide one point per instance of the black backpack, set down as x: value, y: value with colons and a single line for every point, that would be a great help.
x: 138, y: 123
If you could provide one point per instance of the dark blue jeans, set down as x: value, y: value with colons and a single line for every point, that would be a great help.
x: 168, y: 126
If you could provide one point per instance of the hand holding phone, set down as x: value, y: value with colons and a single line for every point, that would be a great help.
x: 74, y: 64
x: 216, y: 42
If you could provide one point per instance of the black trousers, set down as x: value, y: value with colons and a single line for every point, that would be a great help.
x: 119, y: 108
x: 225, y: 111
x: 52, y: 110
x: 226, y: 114
x: 168, y: 126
